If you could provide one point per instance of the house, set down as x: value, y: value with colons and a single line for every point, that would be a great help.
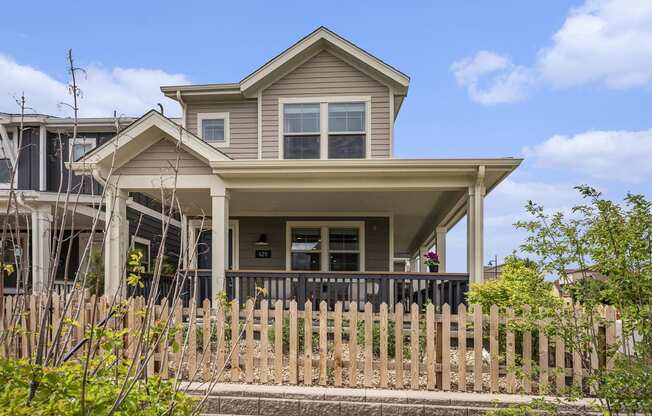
x: 41, y: 207
x: 288, y: 178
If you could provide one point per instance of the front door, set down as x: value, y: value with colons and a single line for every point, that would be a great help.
x: 204, y: 258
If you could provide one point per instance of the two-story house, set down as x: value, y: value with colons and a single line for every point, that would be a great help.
x: 289, y: 177
x: 54, y: 210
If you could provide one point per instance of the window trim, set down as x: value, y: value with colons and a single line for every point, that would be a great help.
x: 227, y: 128
x: 144, y: 241
x: 323, y: 102
x: 12, y: 135
x: 72, y: 141
x: 325, y: 249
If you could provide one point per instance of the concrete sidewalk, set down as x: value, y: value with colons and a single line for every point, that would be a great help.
x: 280, y: 400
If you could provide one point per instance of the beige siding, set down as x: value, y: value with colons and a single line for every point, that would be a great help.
x: 327, y: 75
x: 250, y: 229
x: 160, y: 158
x: 243, y: 119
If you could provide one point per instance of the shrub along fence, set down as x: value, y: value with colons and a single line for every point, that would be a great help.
x: 423, y: 349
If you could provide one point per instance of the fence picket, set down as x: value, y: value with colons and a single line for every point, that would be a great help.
x: 221, y: 340
x: 206, y: 340
x: 337, y: 345
x: 383, y: 345
x: 249, y: 341
x: 461, y: 347
x: 430, y: 346
x: 610, y: 335
x: 398, y: 345
x: 163, y: 345
x: 510, y: 352
x: 33, y: 318
x: 278, y: 341
x: 323, y: 343
x: 527, y: 355
x: 543, y: 358
x: 307, y: 343
x: 368, y: 345
x: 178, y: 337
x: 264, y: 341
x: 192, y: 340
x: 235, y: 341
x: 415, y: 359
x: 577, y: 358
x: 446, y: 347
x: 477, y: 347
x: 293, y: 343
x: 494, y: 352
x: 353, y: 344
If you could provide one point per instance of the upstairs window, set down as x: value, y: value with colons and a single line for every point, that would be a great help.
x: 324, y: 128
x: 213, y: 128
x: 5, y: 162
x: 80, y: 146
x: 346, y: 131
x: 301, y: 132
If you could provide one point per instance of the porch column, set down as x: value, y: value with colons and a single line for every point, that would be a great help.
x: 117, y: 236
x: 41, y: 238
x: 219, y: 236
x: 475, y: 229
x: 440, y: 236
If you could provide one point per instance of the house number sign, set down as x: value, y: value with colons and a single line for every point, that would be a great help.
x: 263, y: 253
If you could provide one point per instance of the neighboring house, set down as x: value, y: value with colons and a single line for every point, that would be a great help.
x: 294, y: 168
x: 41, y: 182
x: 493, y: 271
x: 575, y: 275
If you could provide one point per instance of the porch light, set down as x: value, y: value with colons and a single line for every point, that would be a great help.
x: 262, y: 240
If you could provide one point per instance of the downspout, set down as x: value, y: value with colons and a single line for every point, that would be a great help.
x: 183, y: 109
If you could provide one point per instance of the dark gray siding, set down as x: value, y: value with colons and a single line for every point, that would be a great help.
x: 28, y: 160
x: 250, y: 228
x: 150, y: 228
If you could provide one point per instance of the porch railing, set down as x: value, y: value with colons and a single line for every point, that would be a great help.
x: 359, y: 287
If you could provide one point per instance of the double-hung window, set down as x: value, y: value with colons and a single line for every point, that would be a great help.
x: 325, y: 128
x: 213, y: 128
x: 326, y: 246
x: 301, y: 132
x: 79, y: 146
x: 346, y: 131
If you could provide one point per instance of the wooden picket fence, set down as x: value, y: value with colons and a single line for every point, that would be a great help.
x: 417, y: 350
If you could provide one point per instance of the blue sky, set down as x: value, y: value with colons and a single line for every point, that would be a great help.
x: 565, y: 84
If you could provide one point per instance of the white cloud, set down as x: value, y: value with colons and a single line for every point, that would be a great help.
x: 603, y: 41
x: 491, y: 78
x: 608, y: 41
x: 620, y: 155
x: 129, y: 91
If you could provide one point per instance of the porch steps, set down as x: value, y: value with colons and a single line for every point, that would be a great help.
x: 276, y: 400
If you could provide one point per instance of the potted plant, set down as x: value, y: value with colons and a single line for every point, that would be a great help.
x: 432, y: 261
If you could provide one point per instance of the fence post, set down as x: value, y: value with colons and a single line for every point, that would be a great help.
x: 477, y: 347
x: 264, y: 340
x: 368, y: 345
x: 206, y: 341
x: 192, y: 339
x: 398, y: 340
x: 293, y: 343
x: 461, y: 347
x: 235, y: 344
x: 527, y: 355
x: 249, y: 341
x: 337, y: 341
x: 543, y: 358
x: 278, y: 341
x: 307, y: 343
x: 353, y: 344
x: 415, y: 360
x: 430, y: 346
x: 494, y: 352
x: 323, y: 343
x: 383, y: 344
x: 446, y: 347
x: 511, y: 352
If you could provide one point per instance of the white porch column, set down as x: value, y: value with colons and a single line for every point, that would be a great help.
x: 440, y: 236
x: 41, y: 238
x: 475, y: 229
x: 219, y: 236
x: 117, y: 241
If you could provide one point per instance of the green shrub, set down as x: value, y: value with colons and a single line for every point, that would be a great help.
x: 59, y: 391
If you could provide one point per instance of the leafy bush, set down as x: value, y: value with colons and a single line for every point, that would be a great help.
x: 59, y: 391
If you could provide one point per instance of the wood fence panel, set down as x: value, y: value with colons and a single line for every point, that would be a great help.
x: 337, y: 344
x: 278, y: 341
x: 510, y: 353
x: 494, y: 352
x: 249, y: 341
x: 430, y: 347
x: 294, y: 344
x: 307, y: 343
x: 368, y: 345
x: 415, y: 359
x: 323, y: 343
x: 527, y: 356
x: 353, y: 344
x: 446, y: 347
x: 477, y: 347
x: 398, y: 345
x: 264, y: 341
x: 383, y: 332
x: 461, y: 347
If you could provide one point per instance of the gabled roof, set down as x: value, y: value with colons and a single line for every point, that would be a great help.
x: 142, y: 133
x: 293, y: 56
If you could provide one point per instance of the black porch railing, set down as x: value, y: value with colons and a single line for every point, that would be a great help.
x: 346, y: 287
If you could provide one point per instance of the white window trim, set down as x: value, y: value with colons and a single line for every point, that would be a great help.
x: 227, y: 128
x: 13, y: 132
x: 324, y: 226
x: 80, y: 140
x: 140, y: 240
x: 194, y: 226
x: 323, y: 119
